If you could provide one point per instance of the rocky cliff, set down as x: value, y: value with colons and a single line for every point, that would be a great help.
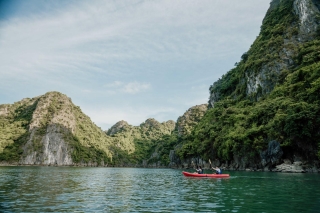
x: 263, y: 114
x: 46, y: 144
x: 51, y: 130
x: 287, y: 25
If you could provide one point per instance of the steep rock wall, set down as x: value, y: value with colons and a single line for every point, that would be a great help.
x: 50, y: 149
x: 46, y: 144
x: 277, y: 44
x: 309, y: 18
x: 51, y: 130
x: 308, y: 12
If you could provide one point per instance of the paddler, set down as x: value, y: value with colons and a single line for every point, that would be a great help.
x: 218, y: 170
x: 199, y: 170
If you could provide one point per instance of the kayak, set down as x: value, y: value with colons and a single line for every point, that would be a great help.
x: 188, y: 174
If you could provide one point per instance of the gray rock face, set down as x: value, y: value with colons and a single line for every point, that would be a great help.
x: 288, y: 167
x: 265, y: 79
x: 214, y: 97
x: 51, y: 150
x: 308, y: 12
x: 272, y: 155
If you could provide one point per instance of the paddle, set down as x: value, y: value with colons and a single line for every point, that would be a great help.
x: 210, y: 164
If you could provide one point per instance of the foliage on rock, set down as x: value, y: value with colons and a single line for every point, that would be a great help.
x: 29, y: 119
x: 133, y: 144
x: 190, y: 119
x: 283, y: 103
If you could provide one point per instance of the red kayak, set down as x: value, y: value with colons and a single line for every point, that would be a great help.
x: 188, y: 174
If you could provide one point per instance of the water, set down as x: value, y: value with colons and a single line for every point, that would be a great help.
x: 68, y: 189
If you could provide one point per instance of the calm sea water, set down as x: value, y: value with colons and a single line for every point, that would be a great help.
x: 68, y: 189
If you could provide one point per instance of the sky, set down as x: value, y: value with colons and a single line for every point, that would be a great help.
x: 123, y: 60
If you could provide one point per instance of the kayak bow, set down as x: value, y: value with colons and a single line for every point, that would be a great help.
x: 188, y: 174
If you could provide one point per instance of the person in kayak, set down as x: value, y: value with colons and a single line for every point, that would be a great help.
x: 199, y: 170
x: 218, y: 170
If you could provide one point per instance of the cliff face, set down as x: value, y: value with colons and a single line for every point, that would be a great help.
x: 51, y: 149
x: 46, y: 144
x: 51, y: 130
x: 287, y: 25
x: 263, y: 114
x: 308, y: 12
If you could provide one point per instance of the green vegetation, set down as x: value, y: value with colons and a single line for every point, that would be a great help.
x: 83, y: 154
x: 242, y: 124
x: 89, y: 141
x: 34, y: 116
x: 284, y: 106
x: 133, y: 144
x: 266, y: 53
x: 164, y: 145
x: 53, y: 113
x: 14, y: 123
x: 185, y: 124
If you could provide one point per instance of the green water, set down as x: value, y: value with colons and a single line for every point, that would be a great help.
x: 67, y: 189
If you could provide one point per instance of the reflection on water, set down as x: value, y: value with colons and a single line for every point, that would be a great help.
x: 59, y: 189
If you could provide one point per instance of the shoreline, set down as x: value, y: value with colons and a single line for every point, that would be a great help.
x: 277, y: 170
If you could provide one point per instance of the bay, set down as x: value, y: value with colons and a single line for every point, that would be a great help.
x: 74, y: 189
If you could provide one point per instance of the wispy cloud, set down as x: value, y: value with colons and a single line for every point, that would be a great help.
x: 98, y: 33
x: 131, y: 87
x: 135, y: 87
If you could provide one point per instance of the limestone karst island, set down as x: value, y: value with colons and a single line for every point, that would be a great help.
x: 262, y: 115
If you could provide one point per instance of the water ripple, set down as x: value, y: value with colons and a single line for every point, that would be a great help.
x: 55, y: 189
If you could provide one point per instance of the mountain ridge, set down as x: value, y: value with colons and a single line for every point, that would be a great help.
x: 50, y: 130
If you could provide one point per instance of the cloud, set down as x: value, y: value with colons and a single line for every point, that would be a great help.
x: 135, y: 87
x: 131, y: 87
x: 90, y: 35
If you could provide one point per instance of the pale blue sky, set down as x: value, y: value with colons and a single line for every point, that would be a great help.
x: 123, y: 60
